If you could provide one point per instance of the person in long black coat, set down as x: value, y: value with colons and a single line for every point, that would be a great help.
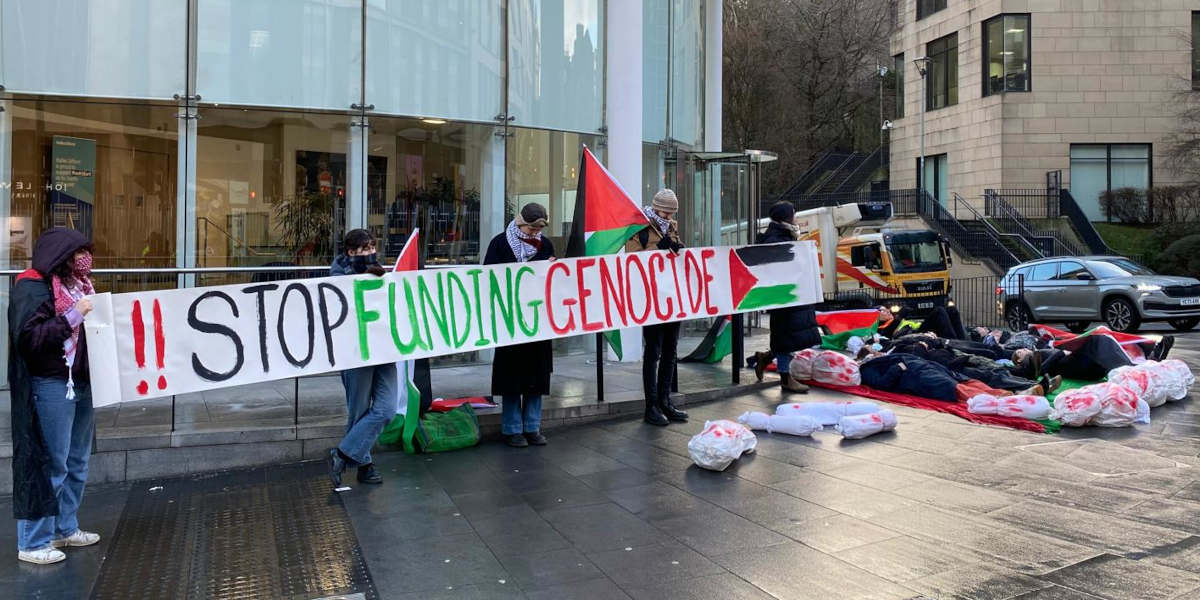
x: 521, y: 373
x: 52, y: 416
x: 793, y: 328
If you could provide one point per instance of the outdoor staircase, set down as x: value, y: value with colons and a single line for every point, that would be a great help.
x: 834, y: 172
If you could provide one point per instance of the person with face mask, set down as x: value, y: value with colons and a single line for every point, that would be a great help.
x: 521, y: 373
x: 371, y: 400
x: 52, y: 417
x: 793, y: 328
x: 659, y: 341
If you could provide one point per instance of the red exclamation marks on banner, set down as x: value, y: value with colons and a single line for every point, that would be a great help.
x: 139, y: 344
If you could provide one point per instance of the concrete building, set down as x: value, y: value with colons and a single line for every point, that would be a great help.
x: 1017, y: 89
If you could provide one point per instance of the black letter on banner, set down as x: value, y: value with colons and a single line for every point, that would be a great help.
x: 308, y: 312
x: 321, y: 288
x: 206, y: 327
x: 261, y: 291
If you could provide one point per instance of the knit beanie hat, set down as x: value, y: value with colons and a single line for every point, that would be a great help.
x: 782, y: 211
x: 665, y: 201
x: 532, y: 214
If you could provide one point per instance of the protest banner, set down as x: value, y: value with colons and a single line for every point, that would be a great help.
x: 163, y: 342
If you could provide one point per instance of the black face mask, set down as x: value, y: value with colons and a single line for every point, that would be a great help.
x: 362, y: 261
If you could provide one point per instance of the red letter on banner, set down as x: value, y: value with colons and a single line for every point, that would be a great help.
x: 705, y: 256
x: 550, y: 304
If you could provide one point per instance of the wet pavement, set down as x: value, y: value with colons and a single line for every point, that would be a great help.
x: 940, y: 508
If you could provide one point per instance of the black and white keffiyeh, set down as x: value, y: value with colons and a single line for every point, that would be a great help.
x: 662, y: 224
x: 524, y: 246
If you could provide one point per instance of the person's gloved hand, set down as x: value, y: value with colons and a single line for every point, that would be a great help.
x: 667, y: 243
x: 376, y: 269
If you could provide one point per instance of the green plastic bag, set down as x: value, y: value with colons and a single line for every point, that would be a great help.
x: 441, y: 432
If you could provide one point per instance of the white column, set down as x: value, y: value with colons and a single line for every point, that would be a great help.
x: 6, y: 183
x: 713, y: 45
x: 356, y: 175
x: 623, y: 116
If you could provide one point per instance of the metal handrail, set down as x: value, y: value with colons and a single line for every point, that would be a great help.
x: 1001, y: 209
x: 1020, y: 239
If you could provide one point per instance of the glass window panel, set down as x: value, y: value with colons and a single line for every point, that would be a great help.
x: 556, y: 64
x: 295, y: 53
x: 687, y: 72
x: 1195, y: 50
x: 429, y: 176
x: 118, y: 48
x: 270, y: 188
x: 1130, y: 167
x: 655, y: 54
x: 942, y: 76
x: 1016, y: 57
x: 898, y: 70
x: 1044, y: 272
x: 994, y: 42
x: 1089, y: 177
x: 436, y: 59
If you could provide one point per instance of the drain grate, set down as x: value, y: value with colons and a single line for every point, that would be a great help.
x: 261, y: 533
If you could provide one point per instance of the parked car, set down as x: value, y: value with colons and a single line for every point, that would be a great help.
x: 1078, y: 290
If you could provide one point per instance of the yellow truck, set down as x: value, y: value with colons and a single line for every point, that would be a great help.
x: 873, y: 263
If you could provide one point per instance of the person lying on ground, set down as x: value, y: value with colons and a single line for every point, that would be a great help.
x: 1091, y: 361
x: 974, y: 366
x: 916, y: 376
x: 944, y: 322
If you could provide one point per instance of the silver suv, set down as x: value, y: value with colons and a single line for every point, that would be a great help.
x: 1077, y: 290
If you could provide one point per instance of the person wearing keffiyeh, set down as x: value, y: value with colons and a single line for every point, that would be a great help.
x: 52, y: 417
x: 659, y: 341
x: 521, y: 373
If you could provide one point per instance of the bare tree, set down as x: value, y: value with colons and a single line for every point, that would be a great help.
x: 800, y: 78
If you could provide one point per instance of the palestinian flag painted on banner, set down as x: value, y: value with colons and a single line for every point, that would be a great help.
x: 605, y: 218
x: 744, y: 286
x: 716, y: 345
x: 403, y: 429
x: 845, y: 324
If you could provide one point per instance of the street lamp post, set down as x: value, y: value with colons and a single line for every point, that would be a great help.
x: 922, y: 68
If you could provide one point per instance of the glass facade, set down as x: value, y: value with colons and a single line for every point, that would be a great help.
x: 1006, y: 40
x: 229, y: 134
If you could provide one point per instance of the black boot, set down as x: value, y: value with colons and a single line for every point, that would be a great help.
x: 672, y: 413
x: 336, y: 465
x: 368, y: 474
x: 654, y: 415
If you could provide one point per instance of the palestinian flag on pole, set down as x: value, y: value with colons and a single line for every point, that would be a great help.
x: 402, y: 428
x: 716, y: 345
x: 605, y: 218
x: 845, y: 324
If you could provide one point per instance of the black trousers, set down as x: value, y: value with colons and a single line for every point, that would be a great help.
x: 942, y: 322
x: 999, y: 378
x: 658, y: 363
x: 1092, y: 361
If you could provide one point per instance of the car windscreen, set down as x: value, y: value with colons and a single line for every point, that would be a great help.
x: 1117, y: 267
x: 915, y: 252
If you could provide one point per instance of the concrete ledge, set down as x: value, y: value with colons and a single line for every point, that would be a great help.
x: 130, y: 454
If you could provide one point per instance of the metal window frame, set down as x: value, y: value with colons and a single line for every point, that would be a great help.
x: 930, y: 92
x: 984, y: 57
x: 898, y: 66
x: 923, y: 11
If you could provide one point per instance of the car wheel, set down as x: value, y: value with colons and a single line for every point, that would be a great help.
x: 1121, y: 315
x: 1184, y: 324
x: 1018, y: 316
x: 1078, y: 326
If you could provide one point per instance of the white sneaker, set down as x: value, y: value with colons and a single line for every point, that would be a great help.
x: 42, y: 556
x: 79, y: 538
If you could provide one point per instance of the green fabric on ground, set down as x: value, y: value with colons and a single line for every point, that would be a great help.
x: 1067, y: 384
x: 837, y: 341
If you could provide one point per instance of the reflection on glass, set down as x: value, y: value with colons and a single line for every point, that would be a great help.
x: 656, y: 52
x: 429, y: 176
x: 687, y: 72
x: 280, y: 52
x: 943, y: 72
x: 442, y: 58
x: 270, y: 187
x: 105, y: 169
x: 556, y: 64
x: 1006, y: 39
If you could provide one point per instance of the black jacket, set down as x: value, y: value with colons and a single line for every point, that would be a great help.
x: 522, y: 368
x: 909, y: 374
x: 36, y: 335
x: 793, y: 328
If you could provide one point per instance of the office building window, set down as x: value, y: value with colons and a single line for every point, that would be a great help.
x: 1006, y: 58
x: 899, y: 74
x: 1098, y: 168
x: 1195, y: 50
x: 942, y: 85
x: 928, y: 7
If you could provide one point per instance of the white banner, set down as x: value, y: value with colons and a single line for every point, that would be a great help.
x: 164, y: 342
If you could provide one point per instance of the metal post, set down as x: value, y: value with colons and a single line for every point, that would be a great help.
x: 599, y: 367
x: 296, y: 404
x: 923, y: 69
x: 739, y: 350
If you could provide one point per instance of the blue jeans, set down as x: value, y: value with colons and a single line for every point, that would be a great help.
x: 370, y: 405
x: 521, y: 417
x: 67, y: 428
x: 782, y: 361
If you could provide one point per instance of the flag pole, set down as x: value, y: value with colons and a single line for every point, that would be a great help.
x: 599, y: 367
x: 578, y: 223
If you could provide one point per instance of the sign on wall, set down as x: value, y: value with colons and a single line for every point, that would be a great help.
x: 165, y: 342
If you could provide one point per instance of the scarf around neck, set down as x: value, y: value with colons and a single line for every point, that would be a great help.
x: 663, y: 225
x: 524, y: 246
x: 66, y: 294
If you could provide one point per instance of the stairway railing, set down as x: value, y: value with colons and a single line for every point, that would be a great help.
x: 1083, y: 226
x: 820, y: 167
x: 985, y: 245
x: 1008, y: 219
x: 861, y: 172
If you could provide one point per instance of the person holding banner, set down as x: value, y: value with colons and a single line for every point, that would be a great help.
x: 371, y: 400
x: 659, y: 341
x: 521, y: 373
x: 793, y: 328
x: 52, y: 417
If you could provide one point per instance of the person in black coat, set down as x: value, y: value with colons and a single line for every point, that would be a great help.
x: 521, y: 373
x: 793, y: 328
x: 52, y: 417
